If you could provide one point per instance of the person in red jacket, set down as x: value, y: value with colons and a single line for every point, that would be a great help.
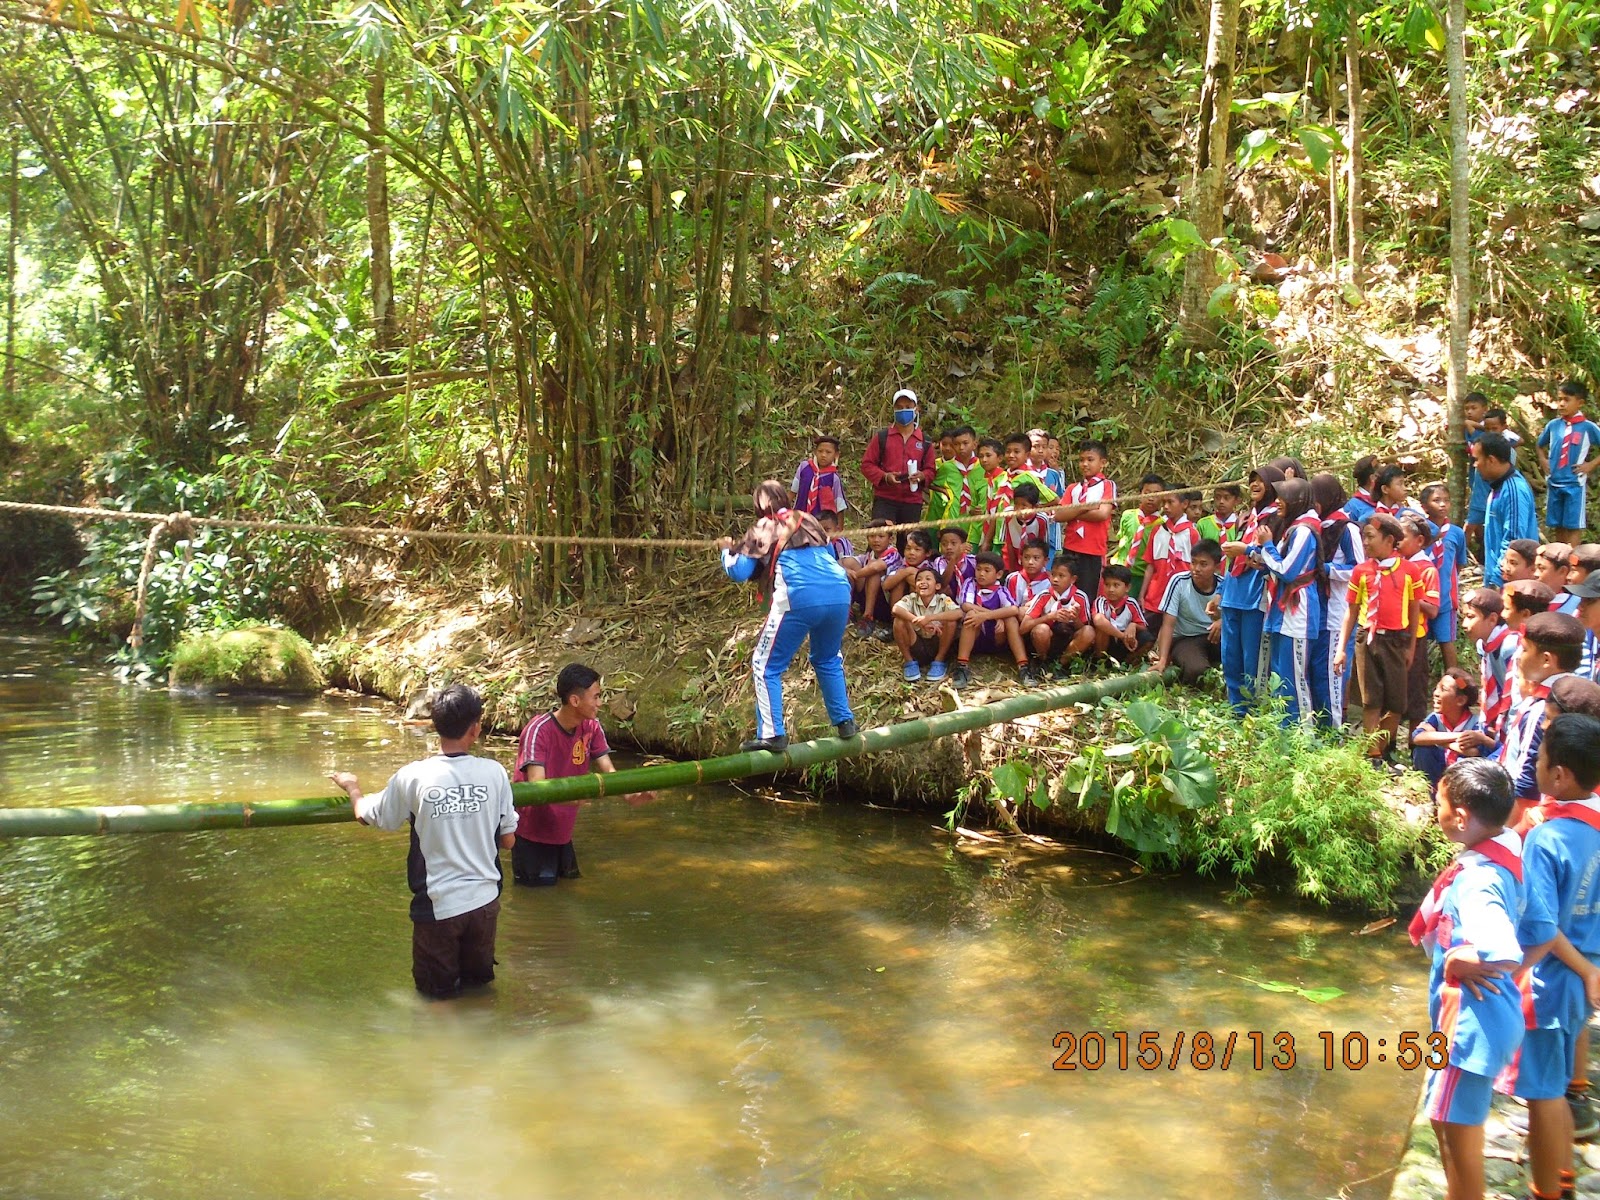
x: 898, y: 463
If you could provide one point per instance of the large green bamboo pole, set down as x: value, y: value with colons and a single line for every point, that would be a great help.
x: 171, y: 818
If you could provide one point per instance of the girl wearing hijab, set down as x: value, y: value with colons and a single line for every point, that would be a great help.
x: 1290, y: 467
x: 788, y: 555
x: 1243, y: 591
x: 1292, y: 562
x: 1341, y: 553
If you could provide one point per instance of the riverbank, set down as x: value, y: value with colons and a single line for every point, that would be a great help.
x: 1172, y: 778
x: 1505, y: 1152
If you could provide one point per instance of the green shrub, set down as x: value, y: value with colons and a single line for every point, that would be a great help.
x: 254, y: 658
x: 1312, y: 807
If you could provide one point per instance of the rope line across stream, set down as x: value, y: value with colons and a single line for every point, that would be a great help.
x: 177, y: 521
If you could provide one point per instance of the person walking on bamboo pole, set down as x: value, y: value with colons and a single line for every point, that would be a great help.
x: 786, y: 552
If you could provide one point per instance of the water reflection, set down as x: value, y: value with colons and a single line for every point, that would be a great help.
x: 738, y: 999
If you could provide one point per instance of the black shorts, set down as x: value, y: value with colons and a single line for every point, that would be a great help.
x: 924, y: 650
x: 454, y: 953
x: 1118, y: 650
x: 538, y: 864
x: 1060, y: 639
x: 1381, y: 666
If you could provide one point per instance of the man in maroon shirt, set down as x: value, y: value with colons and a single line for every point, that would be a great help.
x: 898, y: 463
x: 566, y: 741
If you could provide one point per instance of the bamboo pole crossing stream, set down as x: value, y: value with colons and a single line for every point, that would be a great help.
x: 325, y: 810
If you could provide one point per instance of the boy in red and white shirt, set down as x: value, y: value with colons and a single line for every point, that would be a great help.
x: 1170, y: 548
x: 1028, y: 522
x: 1033, y: 579
x: 1085, y: 514
x: 1120, y: 628
x: 1055, y: 626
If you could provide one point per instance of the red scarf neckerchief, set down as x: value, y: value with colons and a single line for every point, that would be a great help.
x: 1030, y: 580
x: 1068, y: 600
x: 1078, y: 493
x: 1247, y: 535
x: 1364, y: 496
x: 1436, y: 551
x: 1571, y: 440
x: 1386, y: 566
x: 1450, y: 752
x: 1426, y: 921
x: 997, y: 489
x: 1293, y: 587
x: 814, y: 487
x: 964, y: 504
x: 1142, y: 543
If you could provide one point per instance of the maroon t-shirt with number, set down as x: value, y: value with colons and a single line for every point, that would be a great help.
x: 545, y: 744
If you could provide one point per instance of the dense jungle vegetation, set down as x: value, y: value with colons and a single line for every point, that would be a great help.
x: 590, y: 268
x: 556, y: 267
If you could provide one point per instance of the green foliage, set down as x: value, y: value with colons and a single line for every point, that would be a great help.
x: 217, y: 579
x: 1186, y: 783
x: 1312, y: 807
x: 1146, y: 785
x: 251, y: 658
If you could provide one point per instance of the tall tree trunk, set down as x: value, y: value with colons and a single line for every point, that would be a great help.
x: 383, y: 320
x: 1352, y: 84
x: 1208, y: 186
x: 1460, y: 244
x: 12, y: 235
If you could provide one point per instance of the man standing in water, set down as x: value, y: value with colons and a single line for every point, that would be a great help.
x: 565, y: 741
x: 461, y: 816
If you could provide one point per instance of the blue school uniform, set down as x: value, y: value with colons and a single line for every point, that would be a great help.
x: 1479, y: 905
x: 1294, y: 613
x: 1432, y: 760
x: 1559, y: 859
x: 1449, y: 551
x: 1359, y: 508
x: 1521, y: 737
x: 810, y: 597
x: 1567, y: 490
x: 1329, y: 687
x: 1243, y: 637
x: 1511, y: 514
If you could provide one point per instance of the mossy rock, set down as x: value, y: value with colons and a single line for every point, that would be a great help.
x: 255, y: 658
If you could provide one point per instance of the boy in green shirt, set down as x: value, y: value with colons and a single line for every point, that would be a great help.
x: 1137, y: 527
x: 960, y: 488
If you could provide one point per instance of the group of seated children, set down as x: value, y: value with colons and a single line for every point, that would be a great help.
x: 942, y: 609
x: 1029, y: 591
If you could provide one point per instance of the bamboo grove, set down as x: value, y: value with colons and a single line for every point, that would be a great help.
x: 614, y: 177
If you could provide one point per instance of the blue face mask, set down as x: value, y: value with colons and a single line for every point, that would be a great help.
x: 905, y: 416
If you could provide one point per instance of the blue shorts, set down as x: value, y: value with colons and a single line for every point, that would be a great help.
x: 1443, y: 627
x: 1457, y: 1097
x: 1544, y: 1065
x: 1478, y: 503
x: 1564, y: 506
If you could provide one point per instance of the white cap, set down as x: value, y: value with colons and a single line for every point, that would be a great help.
x: 905, y: 393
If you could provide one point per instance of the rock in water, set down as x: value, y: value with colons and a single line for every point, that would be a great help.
x: 256, y: 658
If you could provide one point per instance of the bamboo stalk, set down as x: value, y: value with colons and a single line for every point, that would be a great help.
x: 323, y: 810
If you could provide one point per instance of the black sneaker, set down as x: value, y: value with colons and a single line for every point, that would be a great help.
x: 960, y: 676
x: 846, y: 730
x: 1025, y: 675
x: 774, y: 745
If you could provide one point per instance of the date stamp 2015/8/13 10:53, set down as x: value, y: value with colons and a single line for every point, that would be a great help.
x: 1257, y: 1050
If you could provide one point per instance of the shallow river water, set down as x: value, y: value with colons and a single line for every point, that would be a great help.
x: 741, y: 997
